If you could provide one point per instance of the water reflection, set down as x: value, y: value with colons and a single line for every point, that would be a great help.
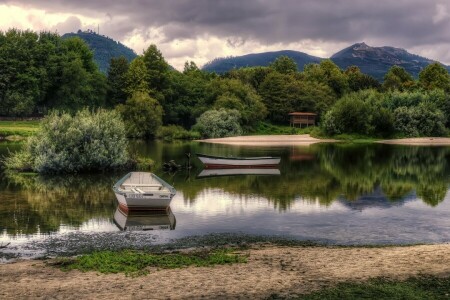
x: 144, y: 219
x: 321, y: 184
x: 235, y: 172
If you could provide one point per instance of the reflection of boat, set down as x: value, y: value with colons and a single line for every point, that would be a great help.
x: 238, y: 162
x: 144, y: 219
x: 142, y: 190
x: 232, y: 171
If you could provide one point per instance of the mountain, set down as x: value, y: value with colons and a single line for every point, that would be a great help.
x: 104, y: 48
x: 222, y: 65
x: 374, y: 61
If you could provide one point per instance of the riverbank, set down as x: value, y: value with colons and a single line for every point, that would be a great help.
x: 269, y: 140
x: 270, y: 270
x: 306, y: 140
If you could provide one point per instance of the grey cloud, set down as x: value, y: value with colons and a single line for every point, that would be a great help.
x: 71, y: 24
x: 404, y: 23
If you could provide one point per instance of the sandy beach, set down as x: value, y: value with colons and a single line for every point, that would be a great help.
x: 268, y: 140
x: 270, y: 270
x: 306, y: 140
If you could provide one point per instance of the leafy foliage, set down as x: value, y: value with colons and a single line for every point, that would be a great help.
x: 219, y: 123
x: 87, y: 141
x: 142, y: 115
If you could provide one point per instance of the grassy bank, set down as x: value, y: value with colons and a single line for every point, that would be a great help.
x: 136, y: 262
x: 426, y: 287
x: 18, y: 128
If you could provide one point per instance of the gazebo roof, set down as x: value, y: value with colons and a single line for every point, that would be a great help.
x: 302, y: 114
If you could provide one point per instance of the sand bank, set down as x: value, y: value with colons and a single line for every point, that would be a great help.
x: 270, y: 270
x: 268, y: 140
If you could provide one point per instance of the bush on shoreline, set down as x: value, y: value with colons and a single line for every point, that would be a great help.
x: 87, y: 141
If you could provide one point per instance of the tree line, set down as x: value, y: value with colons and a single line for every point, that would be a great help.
x: 42, y: 72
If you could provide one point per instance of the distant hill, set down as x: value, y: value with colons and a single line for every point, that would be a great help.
x: 222, y: 65
x: 374, y: 61
x: 104, y: 48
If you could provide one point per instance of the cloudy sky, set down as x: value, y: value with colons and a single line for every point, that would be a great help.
x: 201, y: 30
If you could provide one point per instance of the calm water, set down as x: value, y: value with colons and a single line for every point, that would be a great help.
x: 345, y: 194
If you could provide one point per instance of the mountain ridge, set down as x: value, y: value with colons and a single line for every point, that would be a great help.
x: 374, y: 61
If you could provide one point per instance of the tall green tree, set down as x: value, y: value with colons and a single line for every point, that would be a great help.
x: 397, y: 78
x: 157, y: 68
x: 329, y: 73
x: 116, y: 79
x: 284, y: 65
x: 435, y: 76
x: 233, y: 94
x: 359, y: 81
x: 136, y: 78
x: 142, y: 115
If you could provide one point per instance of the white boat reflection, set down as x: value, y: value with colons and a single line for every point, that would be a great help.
x: 136, y: 220
x: 232, y: 172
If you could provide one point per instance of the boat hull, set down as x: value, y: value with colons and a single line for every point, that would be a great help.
x: 223, y: 162
x: 213, y: 172
x: 141, y: 202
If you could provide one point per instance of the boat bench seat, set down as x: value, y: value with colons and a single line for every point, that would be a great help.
x: 141, y: 185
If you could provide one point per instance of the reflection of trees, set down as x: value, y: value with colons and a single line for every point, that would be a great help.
x: 341, y: 170
x: 43, y: 204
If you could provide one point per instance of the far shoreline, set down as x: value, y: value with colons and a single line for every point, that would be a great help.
x: 307, y: 140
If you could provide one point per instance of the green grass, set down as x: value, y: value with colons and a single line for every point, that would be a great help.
x: 135, y: 262
x: 427, y: 287
x: 18, y: 128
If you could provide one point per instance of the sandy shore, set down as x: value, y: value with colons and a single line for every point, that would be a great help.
x: 270, y: 270
x: 426, y: 141
x: 306, y: 140
x: 268, y: 140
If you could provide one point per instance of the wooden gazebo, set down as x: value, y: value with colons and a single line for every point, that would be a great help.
x: 302, y: 118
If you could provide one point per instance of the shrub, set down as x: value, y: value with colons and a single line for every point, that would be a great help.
x: 359, y: 113
x: 424, y: 119
x: 218, y: 123
x: 174, y: 132
x: 88, y: 141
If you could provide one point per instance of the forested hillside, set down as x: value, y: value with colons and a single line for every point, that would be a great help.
x: 104, y: 48
x: 42, y: 72
x: 373, y: 61
x: 222, y: 65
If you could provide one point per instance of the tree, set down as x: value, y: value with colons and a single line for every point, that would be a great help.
x: 157, y: 68
x: 233, y: 94
x: 435, y: 76
x: 329, y: 73
x: 136, y: 77
x: 398, y: 79
x: 283, y: 94
x: 359, y: 81
x: 116, y: 79
x: 142, y: 115
x: 284, y: 65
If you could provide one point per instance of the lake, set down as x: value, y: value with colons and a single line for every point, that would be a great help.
x: 332, y: 193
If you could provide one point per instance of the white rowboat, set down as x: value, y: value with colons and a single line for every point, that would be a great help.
x: 238, y: 162
x: 143, y: 190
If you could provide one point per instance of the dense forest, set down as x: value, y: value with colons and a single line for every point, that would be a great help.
x: 41, y: 72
